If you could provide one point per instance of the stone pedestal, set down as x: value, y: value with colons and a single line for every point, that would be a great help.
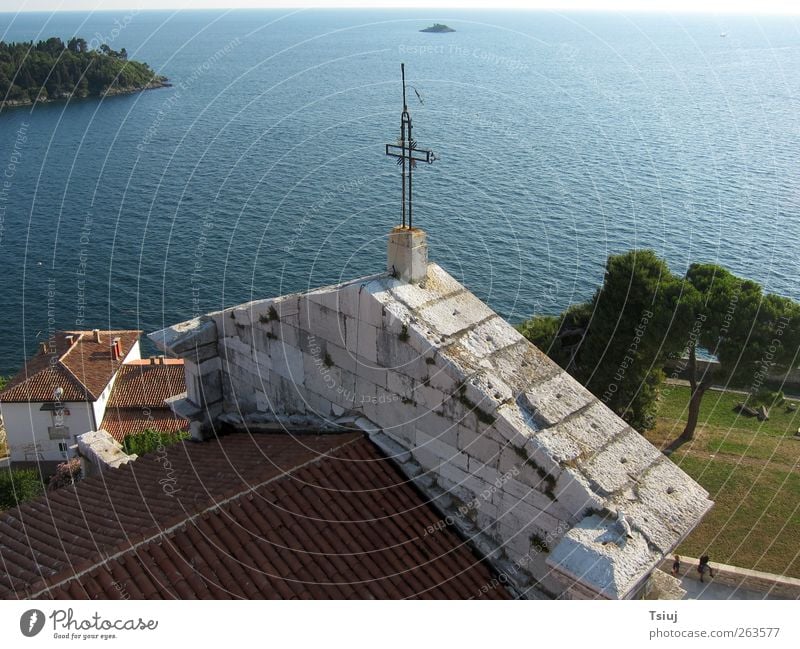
x: 408, y: 254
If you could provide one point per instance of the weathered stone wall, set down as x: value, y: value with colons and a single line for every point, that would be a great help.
x: 521, y: 450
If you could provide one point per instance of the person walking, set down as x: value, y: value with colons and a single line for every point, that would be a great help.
x: 676, y: 565
x: 704, y: 567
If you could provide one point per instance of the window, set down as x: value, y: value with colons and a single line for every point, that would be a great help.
x: 62, y: 446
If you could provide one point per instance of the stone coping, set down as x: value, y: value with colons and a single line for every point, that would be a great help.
x: 735, y: 577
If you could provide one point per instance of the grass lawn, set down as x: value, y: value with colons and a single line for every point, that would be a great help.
x: 751, y: 469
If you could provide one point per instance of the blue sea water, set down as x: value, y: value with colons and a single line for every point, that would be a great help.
x: 562, y: 138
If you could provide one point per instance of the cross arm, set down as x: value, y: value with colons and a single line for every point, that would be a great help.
x: 417, y: 155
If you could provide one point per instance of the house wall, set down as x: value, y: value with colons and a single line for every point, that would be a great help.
x: 99, y: 406
x: 27, y: 429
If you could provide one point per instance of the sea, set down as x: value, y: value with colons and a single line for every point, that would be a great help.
x: 560, y: 139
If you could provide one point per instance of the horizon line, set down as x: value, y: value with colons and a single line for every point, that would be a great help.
x: 546, y: 6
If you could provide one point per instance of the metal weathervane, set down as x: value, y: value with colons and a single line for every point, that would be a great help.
x: 407, y: 153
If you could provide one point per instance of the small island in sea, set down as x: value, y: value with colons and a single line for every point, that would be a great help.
x: 52, y: 70
x: 438, y: 28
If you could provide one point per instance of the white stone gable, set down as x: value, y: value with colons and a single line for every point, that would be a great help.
x: 523, y: 452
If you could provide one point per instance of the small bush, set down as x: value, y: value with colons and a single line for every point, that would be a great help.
x: 19, y: 485
x: 150, y: 440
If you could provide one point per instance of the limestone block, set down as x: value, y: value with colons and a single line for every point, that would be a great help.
x: 427, y: 459
x: 480, y: 446
x: 205, y: 367
x: 526, y: 512
x: 439, y: 378
x: 263, y: 361
x: 669, y: 504
x: 321, y: 378
x: 559, y: 446
x: 552, y: 400
x: 362, y: 340
x: 184, y: 338
x: 211, y: 387
x: 396, y: 354
x: 574, y: 494
x: 277, y: 331
x: 288, y: 363
x: 521, y: 366
x: 100, y: 452
x: 328, y: 297
x: 451, y: 475
x: 338, y: 355
x: 430, y: 425
x: 262, y: 402
x: 440, y: 447
x: 450, y: 315
x: 511, y: 425
x: 436, y: 285
x: 318, y: 405
x: 621, y: 462
x: 535, y: 498
x: 323, y: 322
x: 243, y: 315
x: 395, y: 315
x: 540, y: 456
x: 400, y: 384
x: 428, y: 397
x: 593, y: 428
x: 284, y: 395
x: 370, y: 308
x: 588, y: 555
x: 402, y: 433
x: 489, y: 337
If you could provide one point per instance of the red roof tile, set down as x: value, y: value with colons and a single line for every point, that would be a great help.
x: 261, y: 516
x: 83, y: 368
x: 120, y: 422
x: 146, y: 385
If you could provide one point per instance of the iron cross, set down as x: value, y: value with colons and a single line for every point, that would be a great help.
x: 407, y: 153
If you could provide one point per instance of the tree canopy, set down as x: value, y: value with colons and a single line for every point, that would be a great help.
x: 51, y: 69
x: 644, y: 316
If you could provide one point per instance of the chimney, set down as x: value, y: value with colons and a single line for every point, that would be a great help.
x: 43, y: 347
x: 96, y: 334
x: 161, y: 359
x: 153, y: 360
x: 70, y: 339
x: 116, y: 349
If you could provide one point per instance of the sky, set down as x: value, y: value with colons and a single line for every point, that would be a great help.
x: 672, y: 6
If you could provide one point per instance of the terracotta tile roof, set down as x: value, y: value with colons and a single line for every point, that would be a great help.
x: 261, y: 516
x: 83, y: 368
x: 147, y: 385
x: 120, y: 422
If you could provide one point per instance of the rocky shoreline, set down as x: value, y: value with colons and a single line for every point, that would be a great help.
x: 162, y: 82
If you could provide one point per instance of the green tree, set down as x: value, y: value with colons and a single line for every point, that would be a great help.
x: 750, y: 333
x: 639, y: 316
x: 19, y: 485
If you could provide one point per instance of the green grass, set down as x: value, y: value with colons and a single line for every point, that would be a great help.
x: 751, y: 470
x: 755, y: 522
x: 717, y: 410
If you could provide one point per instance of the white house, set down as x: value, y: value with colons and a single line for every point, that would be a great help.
x: 62, y: 391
